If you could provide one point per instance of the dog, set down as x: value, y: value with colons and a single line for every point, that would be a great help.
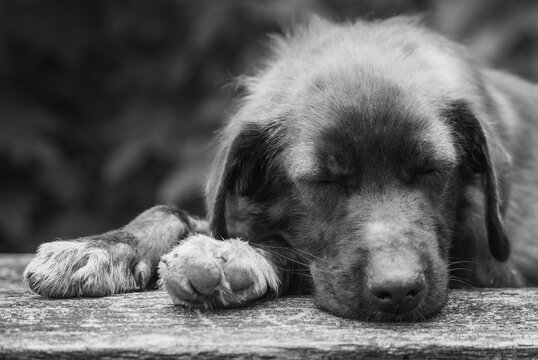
x: 373, y: 164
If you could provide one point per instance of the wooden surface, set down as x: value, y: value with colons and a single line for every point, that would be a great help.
x: 475, y: 324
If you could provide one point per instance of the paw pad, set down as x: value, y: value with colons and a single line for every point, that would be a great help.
x: 204, y: 272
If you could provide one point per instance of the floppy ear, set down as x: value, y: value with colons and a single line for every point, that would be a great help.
x: 479, y: 153
x: 249, y: 169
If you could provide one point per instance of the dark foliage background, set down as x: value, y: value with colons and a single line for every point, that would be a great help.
x: 106, y: 106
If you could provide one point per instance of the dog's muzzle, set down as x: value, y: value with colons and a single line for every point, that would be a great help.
x: 395, y: 282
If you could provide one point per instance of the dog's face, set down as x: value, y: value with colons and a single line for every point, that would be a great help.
x: 375, y: 186
x: 365, y: 173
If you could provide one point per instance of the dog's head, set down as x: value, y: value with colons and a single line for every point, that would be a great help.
x: 356, y: 144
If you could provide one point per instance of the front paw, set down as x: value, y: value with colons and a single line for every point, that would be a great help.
x: 202, y: 272
x: 84, y: 267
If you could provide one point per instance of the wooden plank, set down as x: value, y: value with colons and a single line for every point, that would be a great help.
x: 500, y: 323
x: 11, y: 269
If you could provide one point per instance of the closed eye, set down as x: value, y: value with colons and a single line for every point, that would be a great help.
x: 323, y: 180
x: 426, y: 171
x: 432, y: 167
x: 429, y: 172
x: 318, y: 181
x: 416, y: 175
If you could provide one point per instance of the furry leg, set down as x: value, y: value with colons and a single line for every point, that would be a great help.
x: 117, y: 261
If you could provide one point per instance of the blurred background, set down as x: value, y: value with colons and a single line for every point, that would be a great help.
x: 106, y: 106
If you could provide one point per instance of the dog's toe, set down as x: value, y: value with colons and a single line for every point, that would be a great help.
x: 64, y: 269
x: 179, y: 290
x: 204, y: 275
x: 204, y: 272
x: 239, y: 278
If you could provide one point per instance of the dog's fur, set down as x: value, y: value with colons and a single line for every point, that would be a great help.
x: 363, y: 157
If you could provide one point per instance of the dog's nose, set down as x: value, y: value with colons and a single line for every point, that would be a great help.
x: 397, y: 294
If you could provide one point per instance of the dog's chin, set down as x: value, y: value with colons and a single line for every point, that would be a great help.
x: 365, y: 312
x: 341, y: 289
x: 347, y: 296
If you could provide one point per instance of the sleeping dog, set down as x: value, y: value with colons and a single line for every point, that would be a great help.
x: 371, y: 163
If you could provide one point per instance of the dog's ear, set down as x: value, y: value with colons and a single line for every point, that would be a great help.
x: 484, y: 156
x: 248, y: 167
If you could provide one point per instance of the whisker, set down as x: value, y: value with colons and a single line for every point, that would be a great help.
x: 305, y: 274
x: 450, y: 263
x: 307, y: 266
x: 300, y: 252
x: 287, y: 258
x: 458, y: 269
x: 462, y: 281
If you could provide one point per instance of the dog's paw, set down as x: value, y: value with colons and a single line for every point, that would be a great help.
x: 86, y: 267
x: 202, y: 272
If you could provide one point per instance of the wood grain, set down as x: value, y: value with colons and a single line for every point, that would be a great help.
x: 501, y: 323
